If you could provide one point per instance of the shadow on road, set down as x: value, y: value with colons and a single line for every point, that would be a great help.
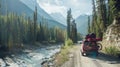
x: 105, y: 58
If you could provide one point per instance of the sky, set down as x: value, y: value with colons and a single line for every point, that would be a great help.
x: 78, y: 7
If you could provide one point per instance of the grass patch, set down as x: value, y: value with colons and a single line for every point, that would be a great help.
x: 63, y: 56
x: 111, y: 50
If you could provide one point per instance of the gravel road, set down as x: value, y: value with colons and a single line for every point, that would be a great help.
x: 91, y: 61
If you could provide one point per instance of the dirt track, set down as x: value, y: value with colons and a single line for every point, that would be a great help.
x: 77, y: 60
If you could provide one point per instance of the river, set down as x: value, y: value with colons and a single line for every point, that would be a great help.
x: 30, y: 58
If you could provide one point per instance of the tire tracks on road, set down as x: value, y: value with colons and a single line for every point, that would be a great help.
x: 77, y: 58
x: 97, y: 63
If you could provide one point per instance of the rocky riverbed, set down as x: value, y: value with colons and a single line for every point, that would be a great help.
x: 31, y: 57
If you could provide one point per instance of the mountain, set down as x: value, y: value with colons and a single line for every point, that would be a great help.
x: 15, y: 6
x: 82, y: 24
x: 59, y: 17
x: 26, y: 8
x: 32, y: 4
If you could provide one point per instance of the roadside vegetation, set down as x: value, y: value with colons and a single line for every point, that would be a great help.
x: 112, y: 50
x: 63, y: 56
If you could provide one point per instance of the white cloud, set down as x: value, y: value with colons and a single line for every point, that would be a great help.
x: 79, y: 6
x: 58, y: 2
x: 51, y: 8
x: 74, y: 3
x: 61, y: 6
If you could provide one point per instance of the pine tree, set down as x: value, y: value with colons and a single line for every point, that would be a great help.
x: 69, y: 18
x: 109, y: 14
x: 89, y: 24
x: 75, y: 37
x: 35, y: 23
x: 71, y: 27
x: 115, y: 10
x: 94, y: 18
x: 73, y: 32
x: 99, y: 18
x: 0, y: 8
x: 102, y: 15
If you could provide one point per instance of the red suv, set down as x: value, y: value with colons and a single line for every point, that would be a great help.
x: 90, y: 45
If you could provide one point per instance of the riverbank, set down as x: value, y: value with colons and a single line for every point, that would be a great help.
x: 61, y: 58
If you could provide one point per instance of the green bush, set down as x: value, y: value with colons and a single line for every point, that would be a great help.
x: 68, y: 42
x: 112, y: 50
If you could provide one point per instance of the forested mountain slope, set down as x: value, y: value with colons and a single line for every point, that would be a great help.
x: 26, y: 8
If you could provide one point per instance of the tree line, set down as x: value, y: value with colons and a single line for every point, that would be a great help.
x: 15, y: 30
x: 71, y: 27
x: 104, y: 13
